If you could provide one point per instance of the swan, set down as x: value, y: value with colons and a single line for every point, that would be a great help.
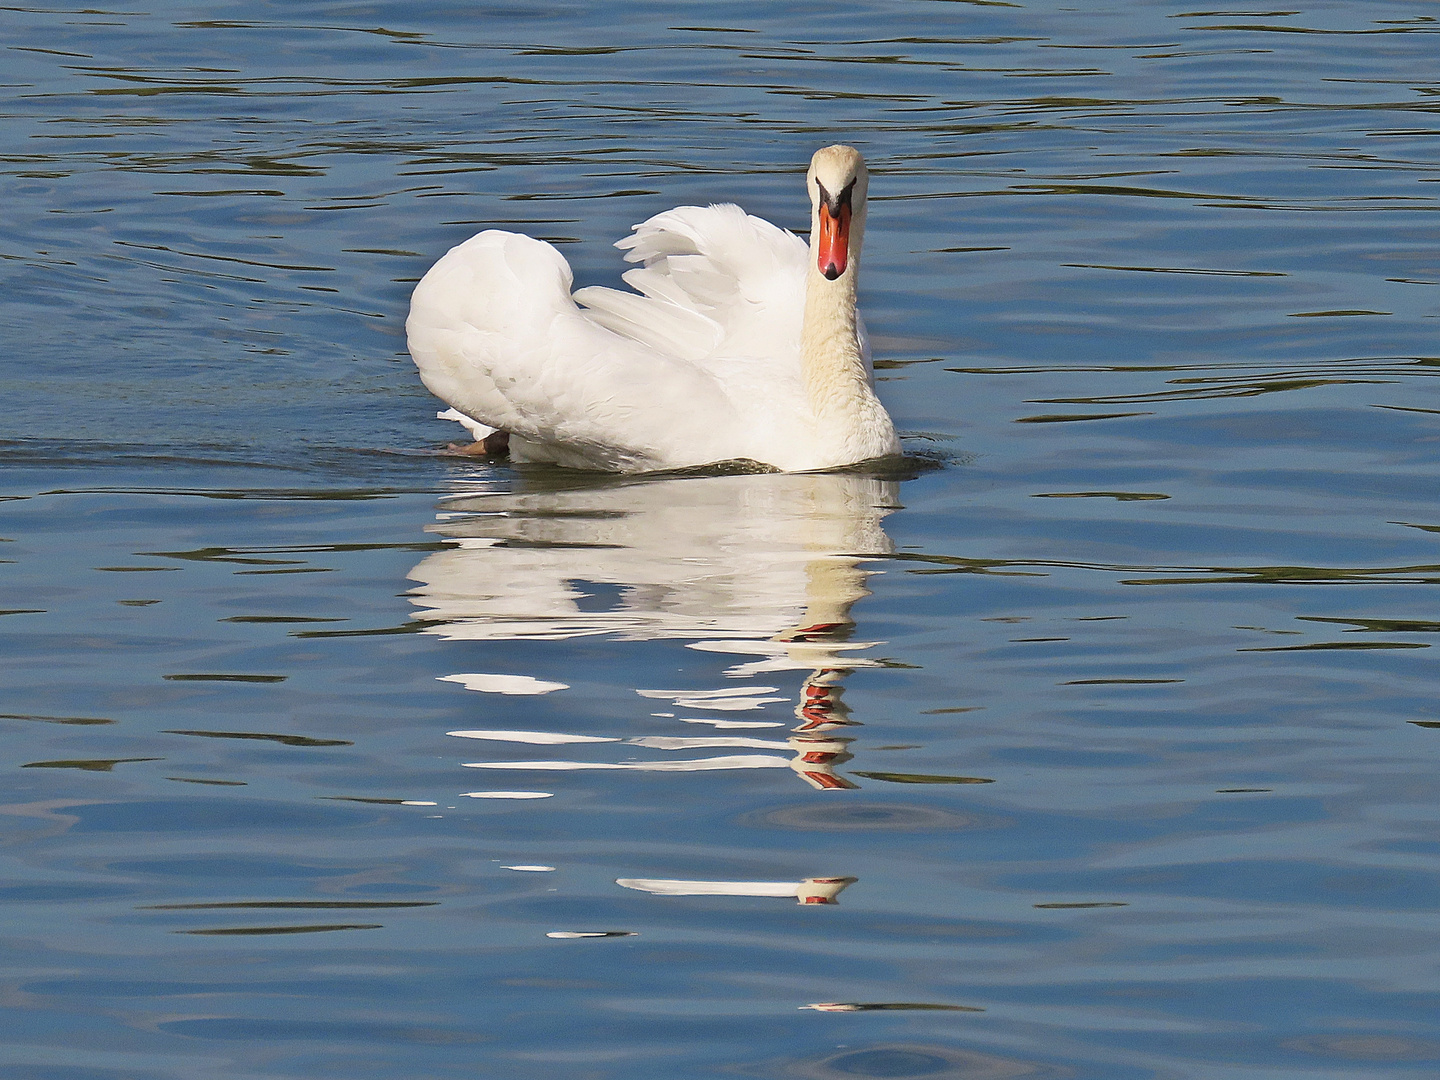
x: 740, y: 343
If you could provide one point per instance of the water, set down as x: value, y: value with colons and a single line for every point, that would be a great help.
x: 1138, y: 778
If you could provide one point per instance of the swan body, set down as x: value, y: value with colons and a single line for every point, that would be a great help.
x: 740, y: 343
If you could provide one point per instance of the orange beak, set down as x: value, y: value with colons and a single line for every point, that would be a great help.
x: 834, y: 246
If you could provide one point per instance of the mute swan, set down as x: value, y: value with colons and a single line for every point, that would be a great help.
x: 739, y: 344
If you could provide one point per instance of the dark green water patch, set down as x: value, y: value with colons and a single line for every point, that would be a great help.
x: 1120, y: 682
x: 255, y: 553
x: 285, y: 740
x: 1423, y: 574
x: 891, y: 1006
x: 920, y: 778
x: 212, y: 783
x: 81, y: 721
x: 1379, y: 626
x: 414, y: 627
x: 1338, y: 313
x: 226, y: 678
x: 266, y: 931
x: 87, y: 764
x: 1338, y: 645
x: 363, y: 799
x: 295, y: 570
x: 267, y: 619
x: 1071, y: 418
x: 1082, y: 904
x: 292, y: 904
x: 1118, y: 496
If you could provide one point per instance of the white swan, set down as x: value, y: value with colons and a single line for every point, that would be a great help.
x: 738, y: 345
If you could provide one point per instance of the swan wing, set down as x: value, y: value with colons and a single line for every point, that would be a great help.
x: 714, y: 282
x: 497, y: 336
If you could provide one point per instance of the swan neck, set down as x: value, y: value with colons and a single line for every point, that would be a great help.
x: 829, y: 342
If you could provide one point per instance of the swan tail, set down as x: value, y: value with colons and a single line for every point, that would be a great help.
x: 478, y: 324
x: 497, y: 337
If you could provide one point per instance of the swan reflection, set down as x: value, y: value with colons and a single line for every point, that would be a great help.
x: 764, y: 568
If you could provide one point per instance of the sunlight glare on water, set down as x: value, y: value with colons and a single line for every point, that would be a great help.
x: 1097, y: 739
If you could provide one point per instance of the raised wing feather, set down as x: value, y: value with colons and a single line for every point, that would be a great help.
x: 714, y: 283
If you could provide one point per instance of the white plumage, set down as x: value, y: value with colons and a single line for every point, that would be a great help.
x: 736, y: 345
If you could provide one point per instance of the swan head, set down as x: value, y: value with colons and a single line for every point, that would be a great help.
x: 838, y: 181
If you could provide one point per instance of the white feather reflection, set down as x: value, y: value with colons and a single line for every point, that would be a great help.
x: 657, y: 742
x: 787, y: 655
x: 729, y: 724
x: 507, y: 795
x: 810, y: 891
x: 510, y: 685
x: 762, y: 566
x: 715, y: 557
x: 732, y: 699
x: 738, y: 761
x: 538, y: 738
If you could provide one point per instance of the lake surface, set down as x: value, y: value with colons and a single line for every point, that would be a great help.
x: 1097, y: 740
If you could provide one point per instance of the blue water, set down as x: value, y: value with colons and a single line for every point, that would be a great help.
x: 1106, y: 720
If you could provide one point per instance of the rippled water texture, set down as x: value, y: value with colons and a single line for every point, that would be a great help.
x: 1097, y: 741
